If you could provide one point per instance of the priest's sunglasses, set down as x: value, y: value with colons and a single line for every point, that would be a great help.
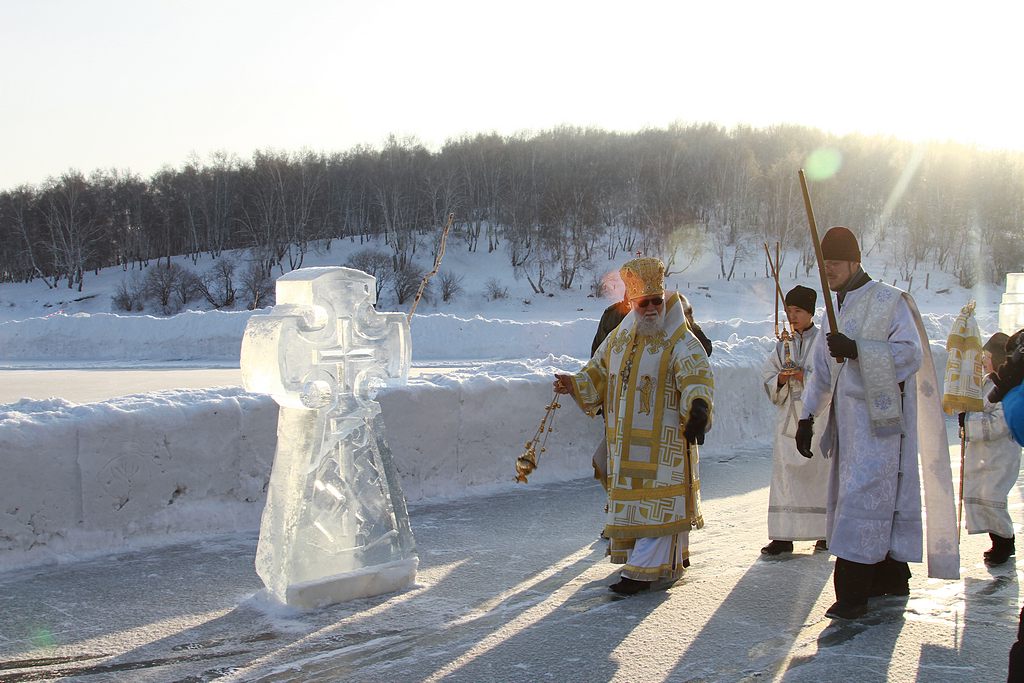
x: 652, y: 301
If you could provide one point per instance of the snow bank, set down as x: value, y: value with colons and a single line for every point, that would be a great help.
x: 132, y: 470
x: 85, y: 477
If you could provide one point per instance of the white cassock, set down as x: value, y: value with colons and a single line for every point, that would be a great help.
x: 991, y: 466
x: 799, y: 490
x: 883, y: 413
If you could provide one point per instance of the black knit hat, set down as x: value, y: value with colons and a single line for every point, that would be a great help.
x: 802, y: 297
x: 839, y: 244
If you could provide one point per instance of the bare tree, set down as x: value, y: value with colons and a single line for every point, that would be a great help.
x: 218, y: 283
x: 160, y: 283
x: 18, y: 214
x: 450, y: 283
x: 376, y: 263
x: 407, y: 282
x: 71, y: 220
x: 257, y: 286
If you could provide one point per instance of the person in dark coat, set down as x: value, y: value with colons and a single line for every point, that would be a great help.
x: 610, y: 319
x: 694, y: 327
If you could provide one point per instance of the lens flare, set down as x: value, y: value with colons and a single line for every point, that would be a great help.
x: 613, y: 288
x: 823, y: 163
x: 41, y: 636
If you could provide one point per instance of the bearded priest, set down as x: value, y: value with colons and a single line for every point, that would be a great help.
x: 653, y: 380
x: 872, y: 386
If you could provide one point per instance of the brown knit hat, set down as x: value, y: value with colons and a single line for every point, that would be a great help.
x: 839, y: 244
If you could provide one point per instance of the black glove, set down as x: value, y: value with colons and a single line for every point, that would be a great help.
x: 804, y: 432
x: 693, y: 432
x: 1007, y: 376
x: 841, y: 346
x: 961, y: 418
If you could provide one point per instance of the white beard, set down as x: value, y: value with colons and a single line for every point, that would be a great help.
x: 650, y: 326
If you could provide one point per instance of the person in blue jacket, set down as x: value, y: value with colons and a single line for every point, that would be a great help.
x: 1009, y: 389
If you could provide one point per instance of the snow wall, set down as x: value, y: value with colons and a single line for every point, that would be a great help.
x: 139, y: 470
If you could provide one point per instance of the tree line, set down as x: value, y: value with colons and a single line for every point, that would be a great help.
x: 558, y: 203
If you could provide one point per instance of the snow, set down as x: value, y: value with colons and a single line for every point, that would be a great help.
x: 177, y: 479
x: 132, y: 470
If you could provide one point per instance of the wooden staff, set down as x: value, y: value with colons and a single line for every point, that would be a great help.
x: 829, y: 310
x: 437, y: 264
x: 778, y: 287
x: 960, y: 506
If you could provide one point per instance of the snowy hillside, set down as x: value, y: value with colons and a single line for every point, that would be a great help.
x: 40, y: 324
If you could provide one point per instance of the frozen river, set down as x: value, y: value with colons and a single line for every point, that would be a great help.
x: 88, y: 385
x: 98, y: 384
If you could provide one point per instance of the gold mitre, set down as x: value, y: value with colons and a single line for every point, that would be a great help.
x: 643, y: 277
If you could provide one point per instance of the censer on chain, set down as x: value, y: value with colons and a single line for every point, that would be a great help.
x: 527, y: 462
x: 788, y: 366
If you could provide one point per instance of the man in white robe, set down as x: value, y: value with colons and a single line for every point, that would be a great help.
x: 882, y: 413
x: 799, y: 488
x: 652, y: 378
x: 991, y: 464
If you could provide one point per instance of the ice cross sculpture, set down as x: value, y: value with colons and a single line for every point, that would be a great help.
x: 335, y: 526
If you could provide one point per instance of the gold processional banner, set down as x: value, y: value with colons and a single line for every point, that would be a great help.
x: 962, y: 382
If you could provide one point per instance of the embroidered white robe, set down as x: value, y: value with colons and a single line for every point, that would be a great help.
x: 874, y: 501
x: 799, y: 489
x: 991, y: 466
x: 646, y: 386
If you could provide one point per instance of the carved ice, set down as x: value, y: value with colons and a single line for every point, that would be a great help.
x: 335, y: 526
x: 1011, y: 309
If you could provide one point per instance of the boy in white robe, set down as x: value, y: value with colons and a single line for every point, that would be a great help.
x: 799, y: 488
x: 991, y: 464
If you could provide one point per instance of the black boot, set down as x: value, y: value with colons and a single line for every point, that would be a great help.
x: 627, y: 586
x: 852, y: 582
x: 891, y: 578
x: 988, y: 552
x: 843, y: 610
x: 777, y: 548
x: 1000, y: 551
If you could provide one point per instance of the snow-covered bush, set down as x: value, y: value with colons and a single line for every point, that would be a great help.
x: 407, y: 283
x: 129, y: 295
x: 376, y: 263
x: 219, y: 283
x: 494, y: 290
x: 451, y: 285
x: 258, y: 287
x: 160, y: 283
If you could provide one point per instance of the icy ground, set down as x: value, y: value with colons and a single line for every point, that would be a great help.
x: 512, y: 587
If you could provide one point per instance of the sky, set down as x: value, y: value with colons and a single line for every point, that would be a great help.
x: 139, y: 84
